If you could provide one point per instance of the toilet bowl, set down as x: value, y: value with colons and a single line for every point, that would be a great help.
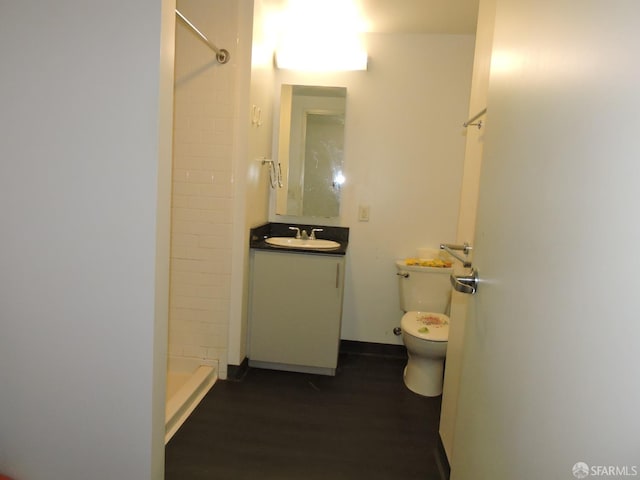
x: 425, y: 293
x: 425, y: 336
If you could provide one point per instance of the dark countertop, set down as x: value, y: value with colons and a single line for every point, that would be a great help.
x: 258, y: 235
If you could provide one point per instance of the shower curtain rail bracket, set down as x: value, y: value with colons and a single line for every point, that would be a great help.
x: 222, y: 55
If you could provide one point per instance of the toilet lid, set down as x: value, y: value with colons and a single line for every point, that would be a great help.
x: 426, y: 325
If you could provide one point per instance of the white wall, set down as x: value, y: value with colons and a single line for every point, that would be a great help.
x: 404, y: 152
x: 254, y: 102
x: 84, y: 245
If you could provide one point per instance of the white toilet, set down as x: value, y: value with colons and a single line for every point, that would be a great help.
x: 425, y: 293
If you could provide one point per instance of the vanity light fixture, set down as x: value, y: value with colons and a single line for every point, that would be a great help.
x: 315, y: 60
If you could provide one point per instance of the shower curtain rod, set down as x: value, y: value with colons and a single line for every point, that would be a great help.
x: 222, y: 55
x: 470, y: 123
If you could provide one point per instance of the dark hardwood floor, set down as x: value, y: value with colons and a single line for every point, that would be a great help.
x: 361, y: 424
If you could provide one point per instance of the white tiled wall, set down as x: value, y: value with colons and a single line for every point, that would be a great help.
x: 202, y: 201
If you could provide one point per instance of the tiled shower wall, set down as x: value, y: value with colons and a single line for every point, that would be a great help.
x: 202, y: 197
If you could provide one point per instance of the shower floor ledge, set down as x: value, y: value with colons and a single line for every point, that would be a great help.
x: 187, y: 397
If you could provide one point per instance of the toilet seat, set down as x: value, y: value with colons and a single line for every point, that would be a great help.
x: 426, y: 325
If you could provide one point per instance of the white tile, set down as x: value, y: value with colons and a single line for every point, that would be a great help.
x: 184, y: 240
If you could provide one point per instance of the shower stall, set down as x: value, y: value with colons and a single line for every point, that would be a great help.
x: 201, y: 205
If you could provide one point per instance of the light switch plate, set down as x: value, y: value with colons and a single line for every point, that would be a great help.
x: 363, y: 213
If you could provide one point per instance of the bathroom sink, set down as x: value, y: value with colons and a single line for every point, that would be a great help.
x: 310, y: 244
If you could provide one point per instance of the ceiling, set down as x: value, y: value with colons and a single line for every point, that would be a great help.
x: 398, y: 16
x: 420, y: 16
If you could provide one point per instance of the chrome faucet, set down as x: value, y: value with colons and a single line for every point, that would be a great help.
x: 304, y: 235
x: 297, y: 231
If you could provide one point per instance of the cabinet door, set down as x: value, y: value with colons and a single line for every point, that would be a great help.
x: 296, y: 308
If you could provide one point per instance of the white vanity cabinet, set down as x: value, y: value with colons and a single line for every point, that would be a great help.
x: 295, y: 311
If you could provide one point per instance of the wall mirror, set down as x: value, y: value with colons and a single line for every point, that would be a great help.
x: 310, y: 150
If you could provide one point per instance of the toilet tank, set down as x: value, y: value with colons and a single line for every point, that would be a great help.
x: 426, y: 289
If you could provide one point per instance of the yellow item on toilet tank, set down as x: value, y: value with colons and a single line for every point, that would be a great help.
x: 421, y: 262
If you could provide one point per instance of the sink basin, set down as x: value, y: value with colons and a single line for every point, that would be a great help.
x: 290, y: 242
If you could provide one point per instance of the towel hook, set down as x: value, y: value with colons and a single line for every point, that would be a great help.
x: 275, y: 172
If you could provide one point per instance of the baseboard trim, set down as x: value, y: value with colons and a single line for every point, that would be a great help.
x: 370, y: 348
x: 236, y: 373
x: 285, y: 367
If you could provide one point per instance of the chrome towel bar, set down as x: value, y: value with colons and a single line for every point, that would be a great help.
x: 466, y: 248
